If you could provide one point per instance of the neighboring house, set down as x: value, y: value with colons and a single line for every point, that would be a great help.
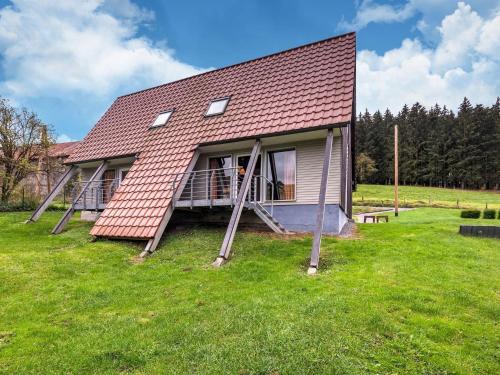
x: 250, y: 138
x: 49, y: 169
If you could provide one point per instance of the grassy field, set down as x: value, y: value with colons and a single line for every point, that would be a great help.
x: 411, y: 296
x: 418, y: 196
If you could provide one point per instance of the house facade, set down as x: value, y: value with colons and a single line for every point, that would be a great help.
x: 48, y: 169
x: 270, y: 138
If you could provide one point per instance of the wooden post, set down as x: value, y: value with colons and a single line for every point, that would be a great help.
x: 396, y: 171
x: 238, y: 207
x: 320, y: 216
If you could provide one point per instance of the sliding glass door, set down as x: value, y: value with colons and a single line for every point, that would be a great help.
x: 281, y: 171
x: 220, y: 177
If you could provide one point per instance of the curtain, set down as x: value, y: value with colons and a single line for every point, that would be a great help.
x: 281, y: 171
x: 289, y: 175
x: 214, y: 164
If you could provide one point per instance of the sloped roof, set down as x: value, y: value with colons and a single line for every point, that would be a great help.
x: 303, y: 88
x: 62, y: 150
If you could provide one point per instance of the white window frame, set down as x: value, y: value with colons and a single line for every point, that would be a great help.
x: 289, y: 148
x: 170, y: 111
x: 120, y: 179
x: 226, y: 98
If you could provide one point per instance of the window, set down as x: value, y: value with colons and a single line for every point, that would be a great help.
x: 281, y: 167
x: 108, y: 186
x: 123, y: 174
x: 162, y: 119
x: 220, y: 177
x: 217, y: 107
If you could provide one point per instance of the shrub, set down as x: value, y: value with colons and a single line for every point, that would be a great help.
x: 470, y: 214
x: 489, y: 214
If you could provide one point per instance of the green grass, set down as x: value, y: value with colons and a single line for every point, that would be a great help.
x: 418, y: 196
x: 411, y: 296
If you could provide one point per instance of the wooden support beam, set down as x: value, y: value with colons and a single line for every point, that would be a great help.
x: 396, y: 172
x: 320, y: 216
x: 68, y: 174
x: 153, y: 242
x: 71, y: 210
x: 225, y: 249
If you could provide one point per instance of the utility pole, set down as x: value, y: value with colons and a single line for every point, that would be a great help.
x: 396, y: 172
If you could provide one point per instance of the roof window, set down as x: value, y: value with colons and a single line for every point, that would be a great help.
x: 162, y: 119
x: 217, y: 107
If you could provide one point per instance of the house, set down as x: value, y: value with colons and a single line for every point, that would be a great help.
x: 49, y: 168
x: 271, y: 136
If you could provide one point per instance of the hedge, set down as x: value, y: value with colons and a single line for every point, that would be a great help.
x: 470, y: 214
x: 489, y: 214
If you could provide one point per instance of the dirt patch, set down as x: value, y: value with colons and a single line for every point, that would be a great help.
x: 136, y: 260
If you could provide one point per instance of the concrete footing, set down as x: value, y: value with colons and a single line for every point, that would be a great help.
x: 89, y: 216
x: 312, y: 271
x: 218, y: 262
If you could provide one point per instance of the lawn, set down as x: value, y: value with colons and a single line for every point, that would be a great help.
x: 418, y: 196
x: 410, y: 296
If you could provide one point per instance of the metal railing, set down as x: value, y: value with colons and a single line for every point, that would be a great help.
x: 96, y: 196
x: 206, y: 187
x: 219, y: 187
x: 259, y: 192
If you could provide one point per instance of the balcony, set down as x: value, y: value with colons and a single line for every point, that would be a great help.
x: 96, y: 196
x: 220, y: 187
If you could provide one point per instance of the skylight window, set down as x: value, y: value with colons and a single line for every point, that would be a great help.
x: 217, y: 107
x: 162, y: 119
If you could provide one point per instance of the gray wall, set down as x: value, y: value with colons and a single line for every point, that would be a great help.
x: 302, y: 217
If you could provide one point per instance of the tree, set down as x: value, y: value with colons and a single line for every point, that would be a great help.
x: 436, y: 147
x: 365, y: 167
x: 23, y: 138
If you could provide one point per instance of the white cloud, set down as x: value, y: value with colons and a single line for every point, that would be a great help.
x: 370, y: 12
x: 58, y: 48
x: 429, y: 12
x: 465, y: 62
x: 61, y: 138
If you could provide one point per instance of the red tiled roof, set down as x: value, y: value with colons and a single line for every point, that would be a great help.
x: 63, y: 149
x: 306, y: 87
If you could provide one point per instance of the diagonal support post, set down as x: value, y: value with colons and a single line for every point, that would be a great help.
x: 320, y: 215
x: 71, y: 210
x: 68, y: 174
x: 225, y: 249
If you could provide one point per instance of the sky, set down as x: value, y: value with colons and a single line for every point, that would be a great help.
x: 68, y: 60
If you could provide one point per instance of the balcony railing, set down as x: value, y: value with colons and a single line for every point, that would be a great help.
x: 220, y: 187
x: 97, y: 195
x: 203, y: 188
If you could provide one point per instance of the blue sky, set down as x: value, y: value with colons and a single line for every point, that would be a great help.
x: 69, y: 60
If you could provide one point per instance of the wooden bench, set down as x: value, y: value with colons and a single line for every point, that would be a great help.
x: 375, y: 218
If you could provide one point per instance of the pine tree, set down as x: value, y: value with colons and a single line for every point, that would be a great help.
x: 436, y: 148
